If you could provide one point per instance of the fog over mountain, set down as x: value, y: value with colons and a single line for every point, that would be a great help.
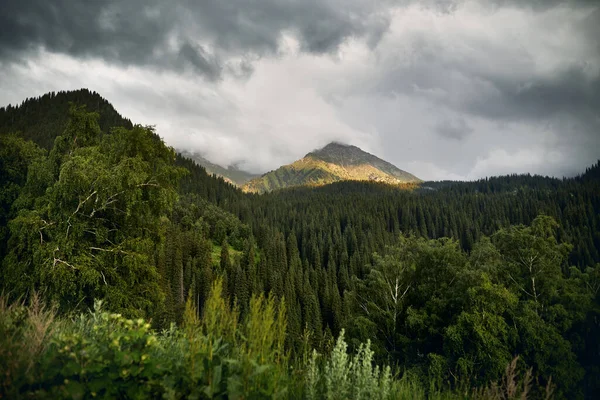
x: 445, y: 89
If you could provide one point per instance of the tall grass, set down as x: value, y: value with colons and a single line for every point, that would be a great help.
x: 24, y: 337
x: 215, y: 355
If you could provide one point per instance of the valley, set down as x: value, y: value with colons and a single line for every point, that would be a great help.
x: 130, y: 269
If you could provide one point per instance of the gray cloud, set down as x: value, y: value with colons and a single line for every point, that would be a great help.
x: 525, y: 87
x: 498, y: 94
x: 126, y: 31
x: 504, y: 77
x: 566, y: 91
x: 541, y: 5
x: 178, y: 34
x: 198, y: 57
x: 456, y: 129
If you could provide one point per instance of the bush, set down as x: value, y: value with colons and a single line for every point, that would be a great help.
x: 349, y: 377
x: 102, y: 354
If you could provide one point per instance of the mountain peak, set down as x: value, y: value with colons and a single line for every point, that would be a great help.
x: 342, y: 154
x: 332, y: 163
x: 337, y: 145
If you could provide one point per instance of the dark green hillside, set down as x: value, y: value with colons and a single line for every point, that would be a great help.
x: 41, y: 119
x: 85, y: 150
x: 463, y: 210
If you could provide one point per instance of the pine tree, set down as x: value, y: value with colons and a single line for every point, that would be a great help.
x: 225, y: 262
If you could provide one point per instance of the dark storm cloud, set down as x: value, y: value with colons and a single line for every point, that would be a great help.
x: 568, y: 91
x: 453, y: 128
x: 498, y: 81
x: 126, y: 31
x: 202, y: 61
x: 538, y: 5
x: 174, y: 34
x: 573, y: 88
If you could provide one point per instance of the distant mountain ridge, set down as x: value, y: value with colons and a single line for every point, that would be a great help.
x: 231, y: 174
x: 333, y: 163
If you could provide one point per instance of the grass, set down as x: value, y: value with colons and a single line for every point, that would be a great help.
x: 215, y: 255
x: 218, y: 355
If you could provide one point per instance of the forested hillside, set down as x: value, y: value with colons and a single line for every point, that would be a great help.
x: 41, y: 119
x: 300, y: 293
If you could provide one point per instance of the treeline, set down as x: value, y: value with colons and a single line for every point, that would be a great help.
x: 118, y: 216
x: 465, y: 211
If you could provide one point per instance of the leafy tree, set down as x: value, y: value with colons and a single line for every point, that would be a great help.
x: 533, y: 260
x: 16, y: 155
x: 90, y: 234
x: 380, y: 296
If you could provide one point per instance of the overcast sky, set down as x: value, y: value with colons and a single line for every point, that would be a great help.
x: 442, y: 89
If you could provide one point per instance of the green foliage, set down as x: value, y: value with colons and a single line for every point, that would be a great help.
x: 344, y: 376
x: 106, y: 355
x: 469, y: 314
x: 24, y: 337
x: 102, y: 354
x: 16, y: 155
x: 89, y: 231
x: 445, y: 283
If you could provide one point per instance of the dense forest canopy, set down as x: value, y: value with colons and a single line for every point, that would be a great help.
x: 43, y: 118
x: 445, y: 283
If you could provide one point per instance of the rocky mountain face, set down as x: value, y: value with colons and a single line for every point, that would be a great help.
x: 334, y: 162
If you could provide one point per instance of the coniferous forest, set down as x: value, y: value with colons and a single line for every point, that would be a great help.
x: 129, y: 272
